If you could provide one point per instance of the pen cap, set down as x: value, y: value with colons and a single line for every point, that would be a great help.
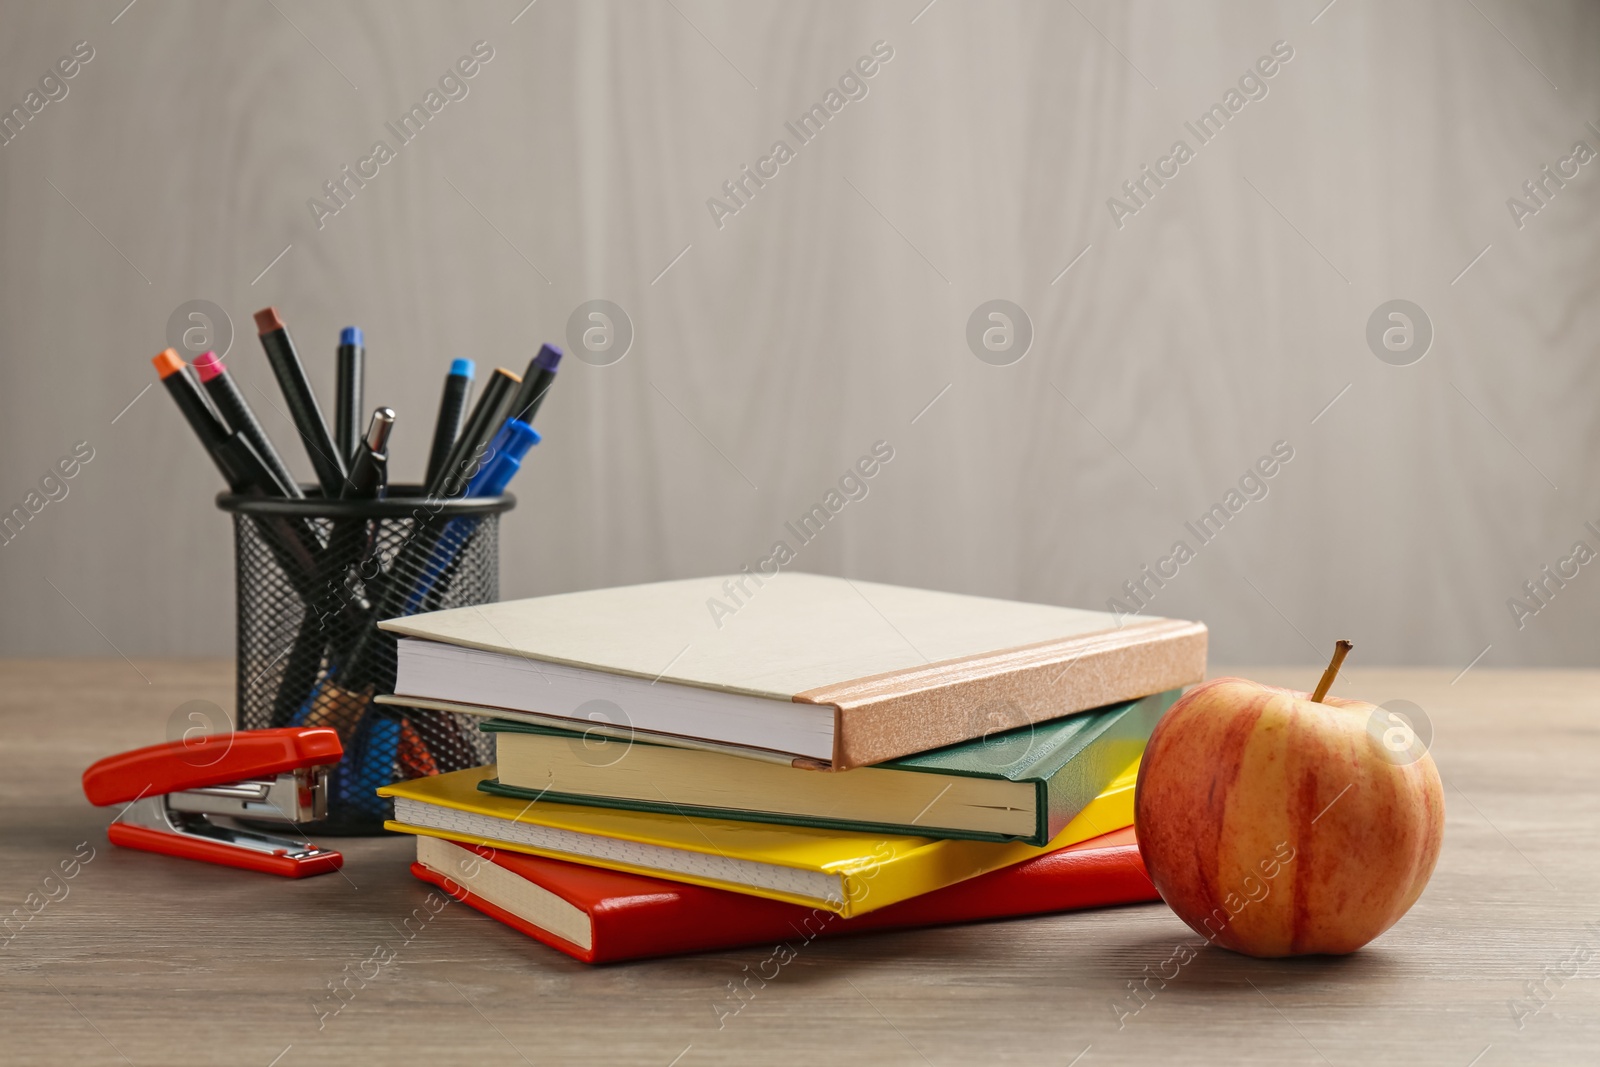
x: 505, y: 458
x: 168, y: 363
x: 268, y: 320
x: 462, y: 368
x: 351, y: 335
x: 208, y: 366
x: 377, y: 439
x: 513, y: 440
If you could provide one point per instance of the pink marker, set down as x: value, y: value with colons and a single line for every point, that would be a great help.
x: 236, y: 413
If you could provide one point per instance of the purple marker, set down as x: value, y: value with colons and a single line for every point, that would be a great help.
x: 535, y: 384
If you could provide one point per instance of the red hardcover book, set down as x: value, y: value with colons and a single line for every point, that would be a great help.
x: 601, y: 916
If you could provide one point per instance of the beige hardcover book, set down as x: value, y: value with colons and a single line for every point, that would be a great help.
x: 834, y: 671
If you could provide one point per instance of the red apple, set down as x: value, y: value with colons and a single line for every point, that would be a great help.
x: 1276, y: 824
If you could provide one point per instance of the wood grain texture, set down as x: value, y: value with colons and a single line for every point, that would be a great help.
x: 154, y: 960
x: 831, y: 311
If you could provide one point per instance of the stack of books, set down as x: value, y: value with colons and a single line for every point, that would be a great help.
x: 716, y: 762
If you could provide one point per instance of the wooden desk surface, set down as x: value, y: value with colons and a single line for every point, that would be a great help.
x: 161, y: 961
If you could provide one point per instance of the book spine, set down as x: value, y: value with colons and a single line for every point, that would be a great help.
x: 903, y: 712
x: 1093, y: 765
x: 663, y: 924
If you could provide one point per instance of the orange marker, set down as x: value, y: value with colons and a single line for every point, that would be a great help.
x: 192, y: 402
x: 168, y: 363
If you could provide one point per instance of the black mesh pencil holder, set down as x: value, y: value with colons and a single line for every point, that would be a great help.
x: 314, y: 578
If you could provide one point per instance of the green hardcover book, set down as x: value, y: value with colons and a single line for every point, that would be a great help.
x: 1021, y: 785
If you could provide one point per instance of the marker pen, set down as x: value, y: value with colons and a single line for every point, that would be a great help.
x: 347, y: 400
x: 231, y: 404
x: 486, y: 417
x: 192, y: 403
x: 291, y: 375
x: 504, y: 460
x: 536, y: 383
x: 452, y: 408
x: 292, y: 543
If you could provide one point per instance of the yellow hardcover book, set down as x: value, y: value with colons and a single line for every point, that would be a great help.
x: 847, y: 873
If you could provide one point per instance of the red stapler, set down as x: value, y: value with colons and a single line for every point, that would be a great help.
x: 174, y: 791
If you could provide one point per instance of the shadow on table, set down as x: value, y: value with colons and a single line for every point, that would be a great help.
x: 1186, y: 960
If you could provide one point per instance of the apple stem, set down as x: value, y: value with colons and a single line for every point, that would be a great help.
x: 1341, y: 649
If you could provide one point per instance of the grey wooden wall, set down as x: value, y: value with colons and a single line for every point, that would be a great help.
x: 1172, y: 346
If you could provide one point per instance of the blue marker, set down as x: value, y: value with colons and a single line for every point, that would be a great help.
x: 347, y: 407
x: 452, y: 409
x: 504, y: 460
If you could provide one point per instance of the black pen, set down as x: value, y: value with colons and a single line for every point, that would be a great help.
x: 389, y: 593
x: 292, y: 543
x: 291, y: 374
x: 353, y: 539
x: 369, y: 471
x: 236, y: 413
x: 192, y: 403
x: 452, y: 408
x: 347, y: 399
x: 536, y: 383
x: 238, y: 453
x: 485, y: 421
